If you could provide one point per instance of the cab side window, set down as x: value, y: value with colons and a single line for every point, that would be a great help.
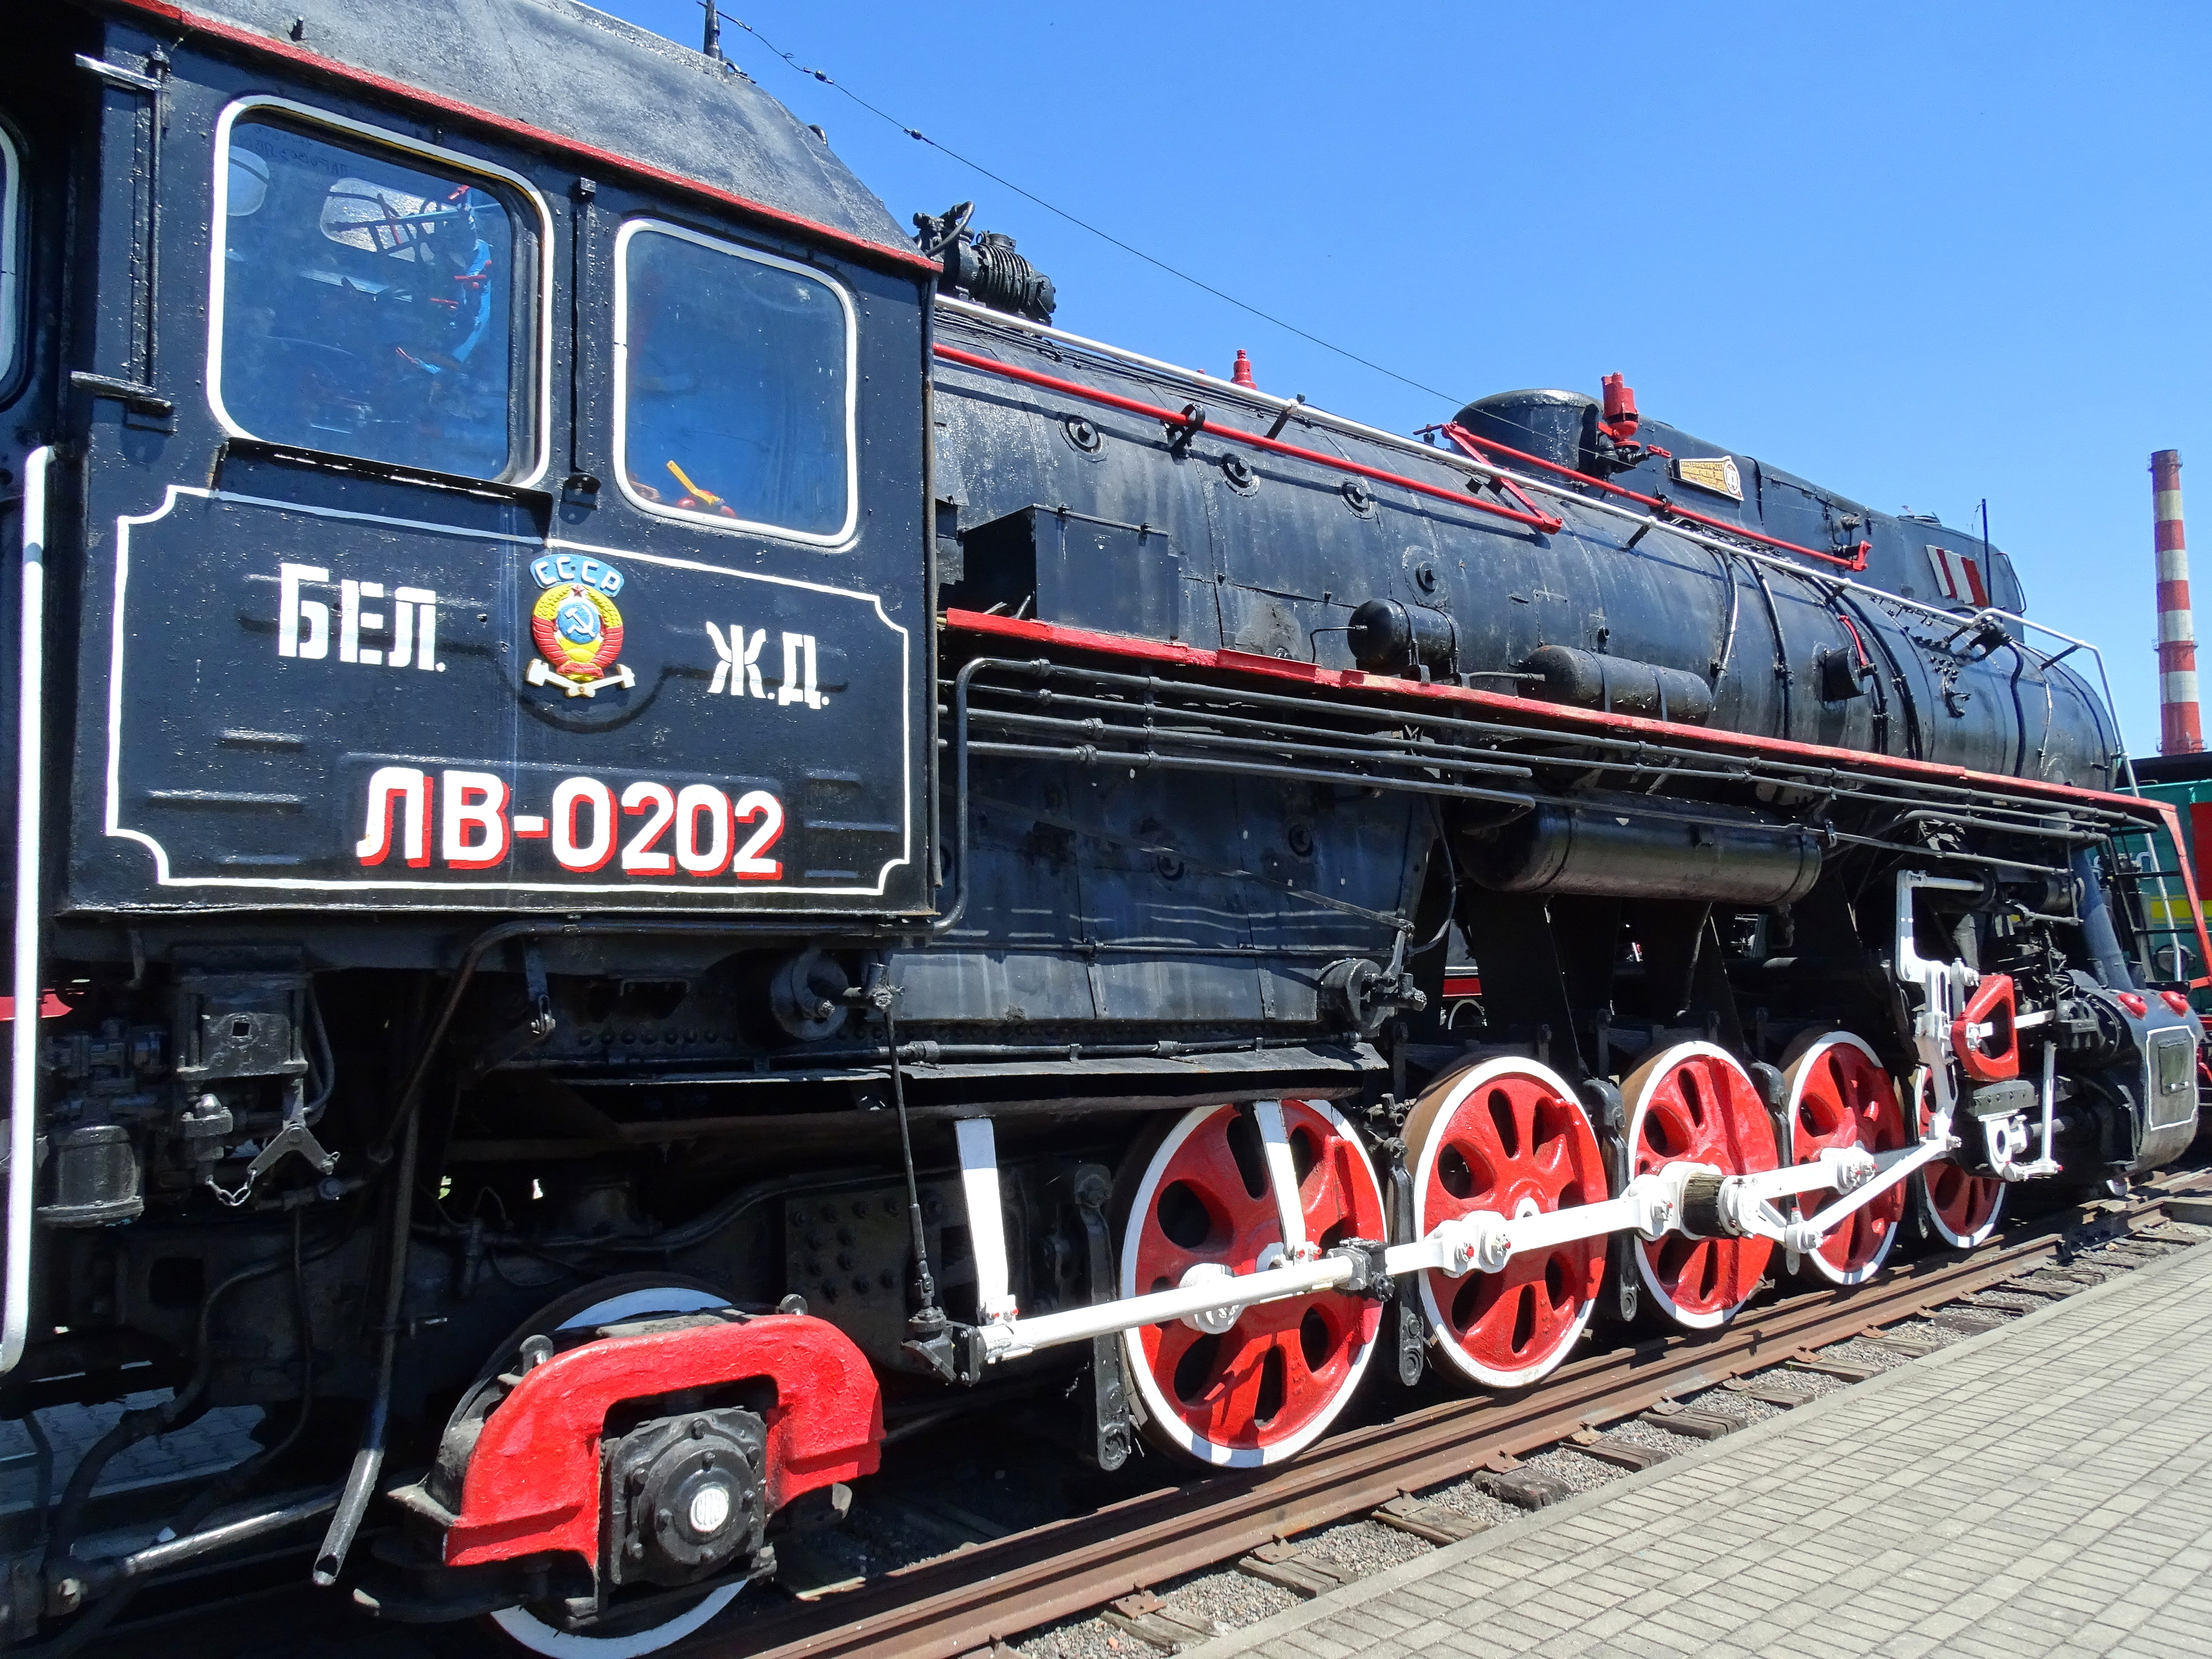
x: 12, y: 257
x: 366, y: 302
x: 734, y: 386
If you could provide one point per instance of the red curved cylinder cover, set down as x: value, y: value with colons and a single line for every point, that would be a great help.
x: 533, y: 1479
x: 1996, y: 1056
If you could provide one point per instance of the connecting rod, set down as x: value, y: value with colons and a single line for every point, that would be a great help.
x: 1483, y: 1241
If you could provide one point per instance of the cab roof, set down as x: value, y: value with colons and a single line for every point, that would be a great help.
x: 576, y: 74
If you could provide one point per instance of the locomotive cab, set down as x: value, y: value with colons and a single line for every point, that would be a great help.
x: 465, y: 530
x: 473, y: 462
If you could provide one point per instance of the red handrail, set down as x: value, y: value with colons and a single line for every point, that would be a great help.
x: 1467, y: 442
x: 1543, y: 522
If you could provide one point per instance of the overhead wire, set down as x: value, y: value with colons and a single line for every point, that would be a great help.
x: 919, y: 136
x: 791, y: 61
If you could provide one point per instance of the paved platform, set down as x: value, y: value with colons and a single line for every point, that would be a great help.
x: 2040, y: 1491
x: 215, y: 1440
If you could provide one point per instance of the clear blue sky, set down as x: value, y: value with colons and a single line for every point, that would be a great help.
x: 1919, y: 253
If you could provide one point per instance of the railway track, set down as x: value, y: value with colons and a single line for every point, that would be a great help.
x: 982, y: 1596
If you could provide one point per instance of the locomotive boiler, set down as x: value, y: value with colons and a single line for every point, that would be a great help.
x: 656, y: 827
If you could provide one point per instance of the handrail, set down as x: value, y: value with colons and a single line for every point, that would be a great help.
x: 23, y: 1029
x: 1184, y: 419
x: 1467, y: 442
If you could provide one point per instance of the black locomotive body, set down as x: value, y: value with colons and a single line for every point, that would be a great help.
x: 652, y: 822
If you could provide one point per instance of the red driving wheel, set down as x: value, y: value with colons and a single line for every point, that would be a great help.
x: 1507, y: 1136
x: 1841, y: 1095
x: 1693, y: 1104
x: 1961, y: 1206
x: 1255, y: 1385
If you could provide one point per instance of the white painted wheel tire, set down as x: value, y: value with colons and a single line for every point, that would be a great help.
x: 524, y: 1628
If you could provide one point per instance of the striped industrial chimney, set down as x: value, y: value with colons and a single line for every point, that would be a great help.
x: 2179, y: 729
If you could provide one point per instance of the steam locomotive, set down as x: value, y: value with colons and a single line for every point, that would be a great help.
x: 655, y: 824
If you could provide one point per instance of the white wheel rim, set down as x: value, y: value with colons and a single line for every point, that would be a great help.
x: 539, y: 1637
x: 1689, y: 1319
x: 1489, y: 1376
x: 1164, y: 1417
x: 1812, y: 1263
x: 534, y: 1633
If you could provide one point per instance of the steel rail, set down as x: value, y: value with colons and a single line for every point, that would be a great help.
x: 956, y: 1603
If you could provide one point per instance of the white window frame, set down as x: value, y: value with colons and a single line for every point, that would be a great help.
x: 842, y: 536
x: 11, y: 255
x: 538, y: 463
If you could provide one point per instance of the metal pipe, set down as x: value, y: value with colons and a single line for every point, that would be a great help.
x: 1643, y: 751
x: 1089, y: 755
x: 1544, y: 522
x: 23, y: 1034
x: 100, y: 1576
x: 1468, y: 441
x: 949, y: 918
x: 2097, y: 930
x: 1384, y: 751
x: 369, y: 1458
x: 1368, y: 742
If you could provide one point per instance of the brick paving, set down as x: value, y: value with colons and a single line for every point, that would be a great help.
x: 2040, y: 1491
x: 218, y: 1439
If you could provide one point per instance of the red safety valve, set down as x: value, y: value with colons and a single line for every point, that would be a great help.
x: 1619, y: 423
x: 532, y: 1482
x: 1984, y: 1037
x: 1240, y: 372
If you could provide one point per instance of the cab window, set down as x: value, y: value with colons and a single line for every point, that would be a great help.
x: 367, y: 302
x: 11, y: 257
x: 734, y: 386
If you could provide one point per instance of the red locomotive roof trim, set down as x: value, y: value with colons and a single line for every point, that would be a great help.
x: 1353, y: 679
x: 301, y: 57
x: 1544, y: 522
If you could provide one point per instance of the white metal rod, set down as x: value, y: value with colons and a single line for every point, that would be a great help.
x: 1818, y: 1225
x: 23, y: 1035
x: 1282, y: 1177
x: 1550, y: 1228
x: 987, y: 1223
x: 1237, y: 1291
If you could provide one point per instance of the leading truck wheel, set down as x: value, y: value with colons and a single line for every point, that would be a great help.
x: 1693, y: 1104
x: 1841, y: 1095
x: 1507, y: 1136
x: 1249, y: 1387
x: 668, y: 1621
